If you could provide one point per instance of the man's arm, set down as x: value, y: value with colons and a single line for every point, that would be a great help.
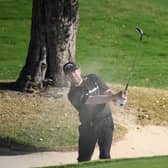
x: 106, y: 97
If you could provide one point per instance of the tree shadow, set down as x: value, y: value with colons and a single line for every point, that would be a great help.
x: 8, y: 86
x: 9, y: 146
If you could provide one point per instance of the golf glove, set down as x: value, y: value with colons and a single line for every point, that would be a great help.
x: 121, y: 102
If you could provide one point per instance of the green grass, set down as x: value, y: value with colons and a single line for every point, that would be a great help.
x: 106, y: 40
x: 14, y: 36
x: 152, y: 162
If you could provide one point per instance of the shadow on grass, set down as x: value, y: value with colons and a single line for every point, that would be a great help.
x: 9, y: 146
x: 8, y: 86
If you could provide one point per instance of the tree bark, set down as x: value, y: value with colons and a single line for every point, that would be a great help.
x: 52, y: 43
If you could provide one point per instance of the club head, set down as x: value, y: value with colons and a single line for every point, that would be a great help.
x: 140, y: 31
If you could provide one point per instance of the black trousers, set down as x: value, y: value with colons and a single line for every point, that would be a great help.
x: 100, y: 131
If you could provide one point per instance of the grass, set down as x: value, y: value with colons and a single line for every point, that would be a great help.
x: 36, y: 122
x: 151, y: 105
x: 106, y: 40
x: 14, y: 36
x: 110, y: 43
x: 148, y: 105
x: 152, y: 162
x: 41, y: 122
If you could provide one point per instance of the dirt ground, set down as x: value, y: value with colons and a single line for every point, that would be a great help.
x: 138, y: 142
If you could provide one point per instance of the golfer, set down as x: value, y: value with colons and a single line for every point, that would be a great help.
x: 90, y: 96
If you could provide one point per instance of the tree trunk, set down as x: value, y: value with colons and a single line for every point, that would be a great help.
x: 52, y: 43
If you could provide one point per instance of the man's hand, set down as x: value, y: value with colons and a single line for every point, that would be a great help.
x: 119, y: 97
x: 122, y: 97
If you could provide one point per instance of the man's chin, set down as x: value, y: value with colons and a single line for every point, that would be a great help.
x: 76, y: 84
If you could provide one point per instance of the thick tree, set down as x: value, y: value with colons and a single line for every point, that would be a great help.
x: 52, y: 43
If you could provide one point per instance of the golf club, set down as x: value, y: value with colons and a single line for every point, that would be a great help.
x: 140, y: 32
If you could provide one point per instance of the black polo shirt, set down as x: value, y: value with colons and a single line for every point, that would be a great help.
x: 92, y: 85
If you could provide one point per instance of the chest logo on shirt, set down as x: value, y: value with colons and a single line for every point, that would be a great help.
x: 91, y: 91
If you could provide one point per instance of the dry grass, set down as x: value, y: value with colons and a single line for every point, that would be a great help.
x: 38, y: 120
x: 18, y: 108
x: 41, y: 121
x: 147, y: 105
x: 150, y: 105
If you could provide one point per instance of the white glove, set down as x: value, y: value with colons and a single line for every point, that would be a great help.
x: 121, y: 102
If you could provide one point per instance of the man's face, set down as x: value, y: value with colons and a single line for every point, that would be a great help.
x: 74, y: 77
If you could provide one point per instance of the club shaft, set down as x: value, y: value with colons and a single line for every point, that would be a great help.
x: 139, y: 30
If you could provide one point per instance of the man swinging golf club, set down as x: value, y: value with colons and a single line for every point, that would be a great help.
x: 90, y: 96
